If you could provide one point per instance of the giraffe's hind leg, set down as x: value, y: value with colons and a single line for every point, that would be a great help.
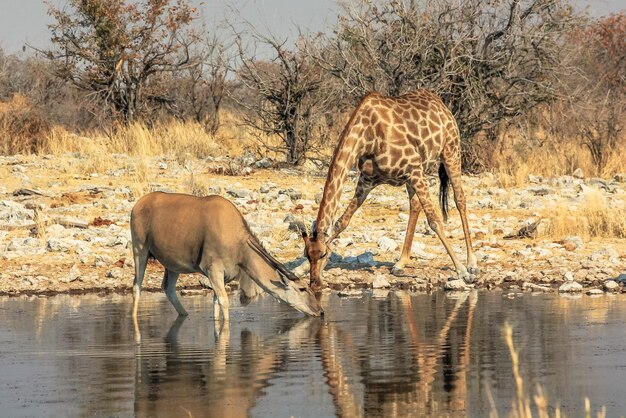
x: 453, y: 169
x: 420, y: 184
x: 414, y: 211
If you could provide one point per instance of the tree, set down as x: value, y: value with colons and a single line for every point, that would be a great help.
x: 203, y: 87
x: 488, y: 60
x: 287, y: 99
x: 112, y: 49
x: 599, y: 103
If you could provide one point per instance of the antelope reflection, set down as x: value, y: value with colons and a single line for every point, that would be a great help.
x: 358, y: 384
x: 220, y: 381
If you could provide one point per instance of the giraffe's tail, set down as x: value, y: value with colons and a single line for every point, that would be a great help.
x: 444, y: 181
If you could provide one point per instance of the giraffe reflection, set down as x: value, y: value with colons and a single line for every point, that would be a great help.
x: 359, y: 386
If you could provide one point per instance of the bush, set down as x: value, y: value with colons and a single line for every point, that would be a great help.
x: 23, y: 128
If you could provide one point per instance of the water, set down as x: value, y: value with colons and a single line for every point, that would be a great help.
x: 398, y: 354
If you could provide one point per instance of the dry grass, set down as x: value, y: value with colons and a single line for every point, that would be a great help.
x: 512, y: 160
x: 23, y: 129
x: 522, y: 406
x: 595, y: 217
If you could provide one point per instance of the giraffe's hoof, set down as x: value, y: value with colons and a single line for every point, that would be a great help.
x: 469, y: 278
x: 398, y: 271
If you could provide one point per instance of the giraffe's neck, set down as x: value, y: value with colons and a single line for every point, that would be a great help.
x: 335, y: 180
x: 348, y: 150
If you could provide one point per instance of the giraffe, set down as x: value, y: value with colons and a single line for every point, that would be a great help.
x: 396, y: 141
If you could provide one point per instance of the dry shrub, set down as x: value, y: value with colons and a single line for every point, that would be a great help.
x: 23, y: 128
x: 595, y: 217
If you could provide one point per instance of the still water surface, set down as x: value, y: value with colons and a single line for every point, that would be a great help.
x: 397, y: 354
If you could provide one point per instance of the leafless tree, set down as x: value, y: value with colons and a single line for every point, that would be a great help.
x: 598, y: 105
x: 205, y: 88
x: 286, y: 95
x: 488, y: 60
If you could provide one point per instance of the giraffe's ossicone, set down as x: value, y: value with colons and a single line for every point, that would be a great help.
x: 397, y: 141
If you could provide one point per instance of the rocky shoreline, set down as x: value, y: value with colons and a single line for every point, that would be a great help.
x: 64, y: 227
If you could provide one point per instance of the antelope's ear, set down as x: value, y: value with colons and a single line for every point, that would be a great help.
x: 314, y: 235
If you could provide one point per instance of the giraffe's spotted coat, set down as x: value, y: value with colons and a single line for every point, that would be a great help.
x: 396, y: 141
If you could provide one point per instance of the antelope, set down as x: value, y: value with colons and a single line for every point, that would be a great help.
x: 208, y: 235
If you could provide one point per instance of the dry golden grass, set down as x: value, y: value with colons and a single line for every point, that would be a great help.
x: 512, y: 160
x: 595, y: 217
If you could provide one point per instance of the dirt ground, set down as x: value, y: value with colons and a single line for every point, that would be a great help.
x: 64, y: 227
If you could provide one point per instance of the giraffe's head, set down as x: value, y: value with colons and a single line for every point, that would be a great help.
x: 317, y: 251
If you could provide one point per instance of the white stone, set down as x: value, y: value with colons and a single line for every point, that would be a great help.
x: 570, y: 287
x: 593, y: 292
x: 457, y: 284
x: 387, y: 244
x: 380, y: 282
x: 611, y: 285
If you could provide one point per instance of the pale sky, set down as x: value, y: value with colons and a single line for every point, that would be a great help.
x: 24, y: 21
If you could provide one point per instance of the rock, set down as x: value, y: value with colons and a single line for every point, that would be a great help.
x: 57, y: 245
x: 12, y: 211
x: 238, y: 193
x: 380, y: 282
x: 572, y: 243
x: 204, y: 282
x: 578, y: 173
x: 595, y: 292
x: 335, y: 258
x: 568, y: 276
x: 604, y: 253
x: 387, y: 244
x: 535, y: 287
x: 540, y: 190
x: 73, y: 274
x: 115, y: 273
x: 456, y: 284
x: 621, y: 278
x: 343, y: 242
x: 611, y: 285
x: 266, y: 187
x: 263, y: 163
x: 162, y: 165
x: 350, y: 293
x: 101, y: 260
x: 570, y: 287
x: 366, y: 258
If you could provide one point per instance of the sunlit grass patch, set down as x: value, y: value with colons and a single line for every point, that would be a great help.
x: 595, y: 217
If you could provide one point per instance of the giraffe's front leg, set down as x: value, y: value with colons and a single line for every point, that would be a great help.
x: 363, y: 188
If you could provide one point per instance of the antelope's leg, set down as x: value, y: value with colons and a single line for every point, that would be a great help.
x: 169, y: 287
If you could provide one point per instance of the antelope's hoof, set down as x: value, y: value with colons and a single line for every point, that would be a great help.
x: 474, y: 271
